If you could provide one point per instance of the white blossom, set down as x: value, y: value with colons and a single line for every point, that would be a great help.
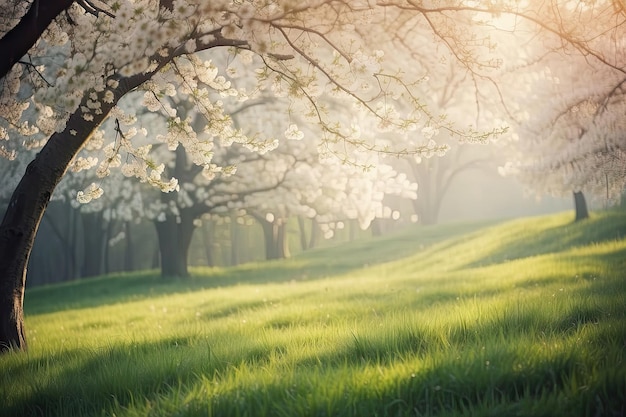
x: 293, y: 133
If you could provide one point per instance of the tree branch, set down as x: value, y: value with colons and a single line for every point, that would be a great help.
x: 16, y: 42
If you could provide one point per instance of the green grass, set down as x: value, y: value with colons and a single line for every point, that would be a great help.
x: 526, y: 317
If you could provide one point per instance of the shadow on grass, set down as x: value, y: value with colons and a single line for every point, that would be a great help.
x: 603, y: 227
x: 498, y: 378
x: 96, y: 382
x: 91, y: 382
x: 311, y: 265
x: 551, y: 386
x: 137, y: 286
x: 501, y: 379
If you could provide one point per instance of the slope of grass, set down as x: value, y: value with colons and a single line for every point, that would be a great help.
x: 526, y: 317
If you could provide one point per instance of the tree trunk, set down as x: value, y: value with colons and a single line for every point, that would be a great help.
x: 315, y: 234
x: 275, y: 236
x: 172, y: 264
x: 21, y: 222
x: 208, y: 240
x: 282, y: 243
x: 270, y: 239
x: 174, y: 241
x: 156, y: 256
x: 129, y: 255
x: 234, y: 240
x: 428, y: 201
x: 95, y: 241
x: 29, y: 202
x: 426, y: 209
x: 376, y: 228
x: 580, y: 205
x: 311, y: 242
x: 303, y: 240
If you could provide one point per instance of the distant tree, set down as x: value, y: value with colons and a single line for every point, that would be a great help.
x: 314, y: 185
x: 572, y: 100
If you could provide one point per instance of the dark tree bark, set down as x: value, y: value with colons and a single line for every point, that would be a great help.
x: 175, y: 232
x: 16, y: 42
x: 156, y: 256
x: 311, y: 242
x: 282, y: 243
x: 168, y: 247
x: 580, y: 205
x: 269, y: 239
x: 175, y: 236
x: 30, y: 200
x: 22, y: 218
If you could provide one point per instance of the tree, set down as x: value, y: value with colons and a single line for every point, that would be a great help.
x: 458, y: 96
x: 572, y: 142
x: 180, y: 212
x: 304, y: 48
x: 312, y: 184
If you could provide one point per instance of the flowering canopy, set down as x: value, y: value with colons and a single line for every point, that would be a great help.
x: 569, y: 102
x: 304, y: 50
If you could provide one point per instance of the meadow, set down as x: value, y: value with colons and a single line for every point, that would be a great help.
x: 524, y: 317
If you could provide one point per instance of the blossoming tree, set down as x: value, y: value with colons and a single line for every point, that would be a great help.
x: 304, y: 49
x: 569, y: 105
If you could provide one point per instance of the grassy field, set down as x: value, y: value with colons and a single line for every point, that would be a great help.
x: 526, y: 317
